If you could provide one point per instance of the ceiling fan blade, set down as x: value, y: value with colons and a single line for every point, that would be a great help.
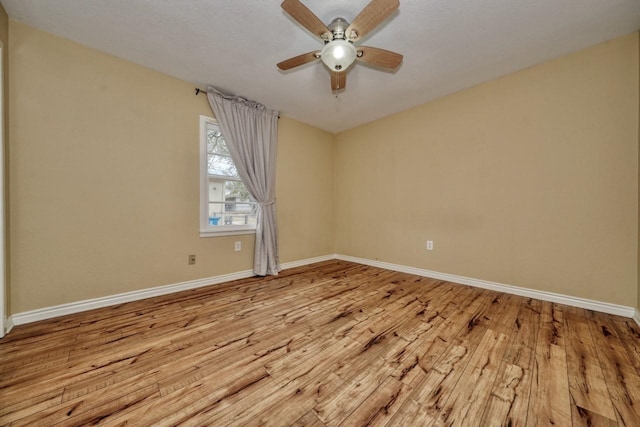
x: 338, y: 80
x: 305, y: 17
x: 299, y: 60
x: 379, y: 57
x: 371, y: 16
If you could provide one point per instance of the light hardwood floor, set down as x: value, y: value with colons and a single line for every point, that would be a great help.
x: 330, y: 344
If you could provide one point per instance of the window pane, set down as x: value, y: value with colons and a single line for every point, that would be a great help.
x: 226, y: 201
x: 215, y: 142
x: 236, y: 191
x: 221, y: 165
x: 237, y: 207
x: 233, y: 213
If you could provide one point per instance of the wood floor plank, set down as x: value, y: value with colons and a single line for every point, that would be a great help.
x: 35, y: 405
x: 505, y: 313
x: 285, y: 403
x: 291, y: 409
x: 89, y: 411
x: 586, y: 379
x: 419, y: 358
x: 199, y: 399
x: 431, y: 393
x: 620, y: 375
x: 584, y: 417
x: 627, y: 331
x: 509, y: 400
x: 413, y: 361
x: 549, y: 402
x: 407, y: 413
x: 332, y: 343
x: 510, y: 387
x: 440, y: 382
x: 522, y: 347
x: 476, y: 382
x: 380, y: 406
x: 308, y: 420
x: 352, y: 393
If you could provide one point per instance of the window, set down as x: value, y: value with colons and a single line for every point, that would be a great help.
x: 226, y: 207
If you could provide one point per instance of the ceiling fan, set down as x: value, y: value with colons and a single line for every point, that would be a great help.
x: 339, y: 50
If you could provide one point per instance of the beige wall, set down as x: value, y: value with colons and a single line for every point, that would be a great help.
x: 104, y: 178
x: 529, y: 180
x: 305, y: 169
x: 4, y: 38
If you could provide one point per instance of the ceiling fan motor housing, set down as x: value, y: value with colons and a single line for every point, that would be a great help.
x: 338, y: 27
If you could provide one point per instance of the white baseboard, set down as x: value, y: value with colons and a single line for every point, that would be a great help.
x: 604, y: 307
x: 8, y: 325
x: 300, y: 263
x: 79, y: 306
x: 90, y: 304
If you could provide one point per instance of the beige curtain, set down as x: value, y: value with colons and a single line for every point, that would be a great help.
x: 251, y: 133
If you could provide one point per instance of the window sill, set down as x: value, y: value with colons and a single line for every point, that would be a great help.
x: 219, y: 233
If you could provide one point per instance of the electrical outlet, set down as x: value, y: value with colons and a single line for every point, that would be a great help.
x: 238, y: 246
x: 192, y: 259
x: 429, y: 245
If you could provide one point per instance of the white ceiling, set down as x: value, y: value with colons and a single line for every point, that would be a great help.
x: 448, y: 45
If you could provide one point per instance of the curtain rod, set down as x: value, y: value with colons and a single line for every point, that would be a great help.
x: 199, y: 91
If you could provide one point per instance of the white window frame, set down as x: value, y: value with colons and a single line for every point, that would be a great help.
x: 207, y: 230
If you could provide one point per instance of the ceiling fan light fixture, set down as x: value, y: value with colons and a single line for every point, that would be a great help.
x: 338, y: 55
